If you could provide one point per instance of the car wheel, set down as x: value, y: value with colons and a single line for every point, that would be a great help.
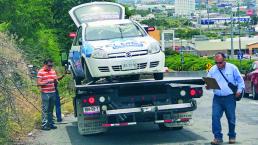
x: 77, y: 80
x: 158, y: 76
x: 87, y: 75
x: 246, y: 95
x: 254, y: 93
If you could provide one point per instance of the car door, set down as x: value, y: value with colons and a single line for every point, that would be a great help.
x: 76, y: 54
x: 248, y: 78
x: 96, y: 11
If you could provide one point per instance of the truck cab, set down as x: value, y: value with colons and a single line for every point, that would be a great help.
x: 108, y: 45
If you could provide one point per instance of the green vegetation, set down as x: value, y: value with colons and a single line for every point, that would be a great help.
x: 19, y: 97
x: 196, y: 63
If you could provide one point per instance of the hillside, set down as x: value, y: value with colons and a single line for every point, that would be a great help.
x: 19, y: 99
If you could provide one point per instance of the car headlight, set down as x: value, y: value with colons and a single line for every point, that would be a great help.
x: 99, y: 53
x: 154, y: 48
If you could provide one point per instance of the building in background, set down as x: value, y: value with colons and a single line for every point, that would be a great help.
x: 184, y: 7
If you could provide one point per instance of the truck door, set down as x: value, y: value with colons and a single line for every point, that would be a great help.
x: 96, y: 11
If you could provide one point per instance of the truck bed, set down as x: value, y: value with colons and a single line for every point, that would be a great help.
x: 143, y: 82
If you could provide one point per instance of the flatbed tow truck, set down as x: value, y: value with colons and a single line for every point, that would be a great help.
x: 103, y: 104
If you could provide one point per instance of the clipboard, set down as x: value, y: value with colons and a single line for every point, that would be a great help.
x: 211, y: 83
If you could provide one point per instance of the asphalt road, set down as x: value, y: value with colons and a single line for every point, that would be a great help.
x: 198, y: 133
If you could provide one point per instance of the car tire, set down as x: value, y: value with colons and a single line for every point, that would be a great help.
x: 254, y: 93
x: 77, y: 80
x: 246, y: 95
x: 158, y: 76
x: 87, y: 75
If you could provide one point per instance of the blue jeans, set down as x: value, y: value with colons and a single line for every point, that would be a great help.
x: 48, y: 103
x: 222, y: 104
x: 58, y: 107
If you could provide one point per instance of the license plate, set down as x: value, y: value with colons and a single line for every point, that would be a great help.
x: 129, y: 66
x: 91, y: 110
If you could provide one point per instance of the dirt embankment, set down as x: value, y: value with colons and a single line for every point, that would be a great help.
x: 19, y: 99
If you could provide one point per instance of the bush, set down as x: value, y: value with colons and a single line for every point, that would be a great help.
x: 196, y: 63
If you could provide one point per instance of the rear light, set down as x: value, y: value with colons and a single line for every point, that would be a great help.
x: 91, y: 100
x: 102, y: 99
x: 192, y: 92
x: 84, y: 100
x: 200, y: 92
x: 182, y: 92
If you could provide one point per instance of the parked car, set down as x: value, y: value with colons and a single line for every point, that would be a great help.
x: 107, y: 45
x: 251, y: 81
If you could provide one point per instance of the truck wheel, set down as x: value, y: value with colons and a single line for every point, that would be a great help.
x: 158, y: 76
x: 254, y: 93
x: 87, y: 75
x: 164, y: 127
x: 177, y: 128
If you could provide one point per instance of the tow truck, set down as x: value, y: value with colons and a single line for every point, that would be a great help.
x: 168, y: 103
x: 104, y: 103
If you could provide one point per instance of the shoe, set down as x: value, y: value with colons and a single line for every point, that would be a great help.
x: 53, y: 127
x: 45, y: 128
x: 216, y: 142
x: 232, y: 141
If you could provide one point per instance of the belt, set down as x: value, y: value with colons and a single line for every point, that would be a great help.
x: 223, y: 96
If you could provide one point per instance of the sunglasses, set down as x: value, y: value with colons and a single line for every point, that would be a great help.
x: 219, y: 62
x: 50, y: 65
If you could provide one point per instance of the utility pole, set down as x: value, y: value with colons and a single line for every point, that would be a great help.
x: 231, y: 34
x: 208, y: 11
x: 239, y: 39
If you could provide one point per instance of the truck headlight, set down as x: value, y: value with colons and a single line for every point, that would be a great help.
x: 99, y: 53
x: 154, y: 48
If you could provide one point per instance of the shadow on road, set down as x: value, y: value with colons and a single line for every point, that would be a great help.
x: 133, y: 135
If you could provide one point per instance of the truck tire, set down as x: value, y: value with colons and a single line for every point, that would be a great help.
x: 158, y: 76
x: 254, y: 93
x: 87, y: 75
x: 165, y: 128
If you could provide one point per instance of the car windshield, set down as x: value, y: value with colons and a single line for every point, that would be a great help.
x: 113, y: 31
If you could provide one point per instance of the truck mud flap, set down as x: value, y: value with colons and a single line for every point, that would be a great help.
x: 87, y: 125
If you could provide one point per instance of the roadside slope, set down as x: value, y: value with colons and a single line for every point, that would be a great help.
x: 19, y: 102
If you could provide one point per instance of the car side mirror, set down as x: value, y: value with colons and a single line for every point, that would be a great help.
x: 64, y: 59
x: 80, y: 41
x: 72, y: 35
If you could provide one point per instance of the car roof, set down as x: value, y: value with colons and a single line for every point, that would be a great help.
x: 109, y: 22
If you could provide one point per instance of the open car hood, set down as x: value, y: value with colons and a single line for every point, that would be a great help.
x: 96, y: 11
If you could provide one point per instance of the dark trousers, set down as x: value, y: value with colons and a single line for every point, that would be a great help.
x: 220, y: 105
x: 58, y: 107
x: 48, y: 102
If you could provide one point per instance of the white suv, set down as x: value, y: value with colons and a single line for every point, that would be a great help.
x: 107, y: 45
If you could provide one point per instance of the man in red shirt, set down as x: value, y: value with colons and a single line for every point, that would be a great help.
x: 46, y: 80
